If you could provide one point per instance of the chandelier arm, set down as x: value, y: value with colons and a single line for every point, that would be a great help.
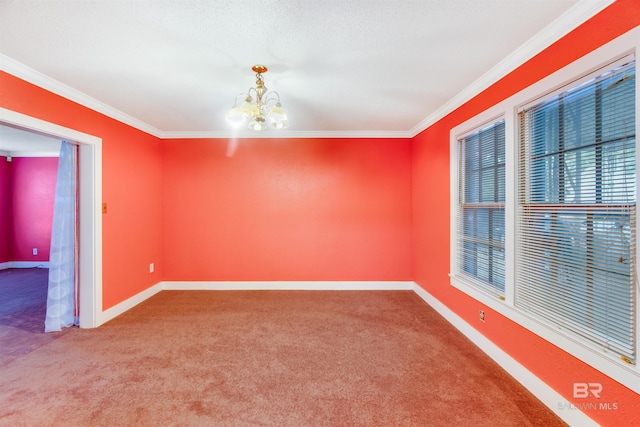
x: 242, y: 95
x: 271, y: 96
x: 273, y: 92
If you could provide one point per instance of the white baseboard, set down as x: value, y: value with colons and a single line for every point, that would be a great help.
x: 552, y: 399
x: 289, y: 286
x: 129, y: 303
x: 24, y: 264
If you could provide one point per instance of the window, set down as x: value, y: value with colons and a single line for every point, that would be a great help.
x: 481, y: 207
x: 576, y: 211
x: 543, y: 209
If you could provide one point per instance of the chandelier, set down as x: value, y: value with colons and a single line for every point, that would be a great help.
x: 261, y: 107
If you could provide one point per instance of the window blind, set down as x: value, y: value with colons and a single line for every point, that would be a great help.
x: 481, y: 208
x: 576, y: 237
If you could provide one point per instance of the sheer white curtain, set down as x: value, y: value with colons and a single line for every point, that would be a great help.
x: 63, y: 292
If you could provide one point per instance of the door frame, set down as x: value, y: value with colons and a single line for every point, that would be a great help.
x: 90, y: 209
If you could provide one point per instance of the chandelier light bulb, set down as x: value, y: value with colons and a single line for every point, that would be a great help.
x: 277, y: 117
x: 236, y: 118
x: 258, y: 123
x: 261, y: 108
x: 249, y: 108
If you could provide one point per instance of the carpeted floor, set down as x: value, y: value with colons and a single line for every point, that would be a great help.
x: 23, y: 303
x: 266, y: 358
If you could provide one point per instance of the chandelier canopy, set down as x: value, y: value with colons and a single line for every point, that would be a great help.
x: 261, y: 107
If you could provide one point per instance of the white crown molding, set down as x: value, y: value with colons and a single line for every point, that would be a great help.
x: 568, y: 21
x: 30, y: 75
x: 15, y: 154
x: 283, y: 134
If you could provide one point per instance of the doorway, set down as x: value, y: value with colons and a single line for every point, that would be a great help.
x: 29, y: 165
x: 90, y: 213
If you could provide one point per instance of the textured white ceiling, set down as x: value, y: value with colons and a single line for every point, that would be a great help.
x: 342, y: 68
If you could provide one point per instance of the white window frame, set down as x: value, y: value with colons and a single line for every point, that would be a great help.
x: 609, y: 364
x: 491, y: 121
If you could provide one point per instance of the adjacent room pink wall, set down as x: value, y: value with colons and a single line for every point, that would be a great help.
x: 5, y: 210
x: 33, y: 194
x: 287, y: 209
x: 431, y: 216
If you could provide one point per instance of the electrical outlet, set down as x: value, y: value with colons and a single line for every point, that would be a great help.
x: 482, y: 315
x: 35, y: 251
x: 151, y: 268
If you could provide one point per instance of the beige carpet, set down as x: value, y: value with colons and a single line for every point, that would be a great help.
x: 266, y: 358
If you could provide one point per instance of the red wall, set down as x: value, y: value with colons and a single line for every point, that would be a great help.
x: 310, y: 209
x: 5, y: 210
x: 287, y: 209
x: 131, y: 185
x: 431, y: 222
x: 33, y: 193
